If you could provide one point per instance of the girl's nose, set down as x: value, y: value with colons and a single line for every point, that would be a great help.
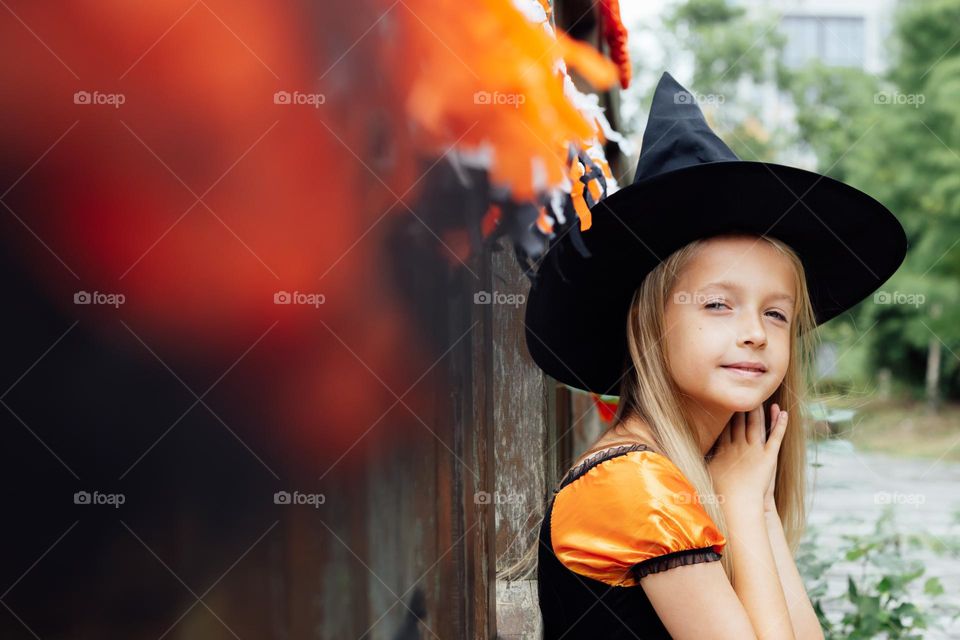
x: 752, y: 333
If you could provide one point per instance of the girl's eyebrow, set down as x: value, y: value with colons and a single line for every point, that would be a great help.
x: 735, y: 287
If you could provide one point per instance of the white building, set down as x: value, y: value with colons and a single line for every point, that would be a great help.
x: 837, y: 32
x: 844, y: 33
x: 852, y: 33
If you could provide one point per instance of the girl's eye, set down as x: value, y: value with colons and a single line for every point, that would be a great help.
x: 715, y: 304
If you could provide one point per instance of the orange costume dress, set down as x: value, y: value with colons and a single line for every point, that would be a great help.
x: 622, y: 514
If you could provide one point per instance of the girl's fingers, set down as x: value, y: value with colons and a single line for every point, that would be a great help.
x: 754, y: 431
x: 774, y: 414
x: 776, y: 434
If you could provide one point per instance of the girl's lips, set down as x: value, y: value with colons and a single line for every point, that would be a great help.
x: 748, y: 373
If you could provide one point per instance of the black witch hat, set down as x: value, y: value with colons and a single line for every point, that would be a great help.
x: 690, y: 185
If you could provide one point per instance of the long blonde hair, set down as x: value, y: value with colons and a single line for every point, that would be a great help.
x: 648, y: 392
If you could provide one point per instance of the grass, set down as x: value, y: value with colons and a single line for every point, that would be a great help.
x: 902, y: 428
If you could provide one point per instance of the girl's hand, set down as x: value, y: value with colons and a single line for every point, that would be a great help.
x: 769, y: 503
x: 743, y: 467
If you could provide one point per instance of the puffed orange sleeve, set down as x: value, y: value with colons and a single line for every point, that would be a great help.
x: 630, y: 516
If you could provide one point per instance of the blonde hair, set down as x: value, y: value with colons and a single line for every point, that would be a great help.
x: 648, y: 392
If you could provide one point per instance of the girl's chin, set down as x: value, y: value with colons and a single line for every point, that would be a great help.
x: 732, y: 398
x: 741, y: 401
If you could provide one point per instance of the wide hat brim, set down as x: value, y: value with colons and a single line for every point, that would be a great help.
x: 849, y: 244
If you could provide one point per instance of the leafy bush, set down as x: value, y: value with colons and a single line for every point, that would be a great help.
x: 877, y: 603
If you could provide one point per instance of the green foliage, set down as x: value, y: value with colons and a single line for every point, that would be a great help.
x: 877, y: 603
x: 896, y: 138
x: 925, y: 34
x: 705, y: 13
x: 725, y: 45
x: 833, y: 108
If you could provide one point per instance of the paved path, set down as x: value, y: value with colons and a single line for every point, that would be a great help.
x: 850, y: 493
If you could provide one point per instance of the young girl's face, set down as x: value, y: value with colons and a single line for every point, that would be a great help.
x: 733, y: 303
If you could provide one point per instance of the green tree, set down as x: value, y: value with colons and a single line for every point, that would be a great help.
x: 723, y: 46
x: 896, y: 137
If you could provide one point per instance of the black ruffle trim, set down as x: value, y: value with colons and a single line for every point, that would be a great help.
x: 674, y: 559
x: 597, y: 458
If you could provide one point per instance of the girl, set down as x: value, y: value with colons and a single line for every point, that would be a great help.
x: 682, y: 520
